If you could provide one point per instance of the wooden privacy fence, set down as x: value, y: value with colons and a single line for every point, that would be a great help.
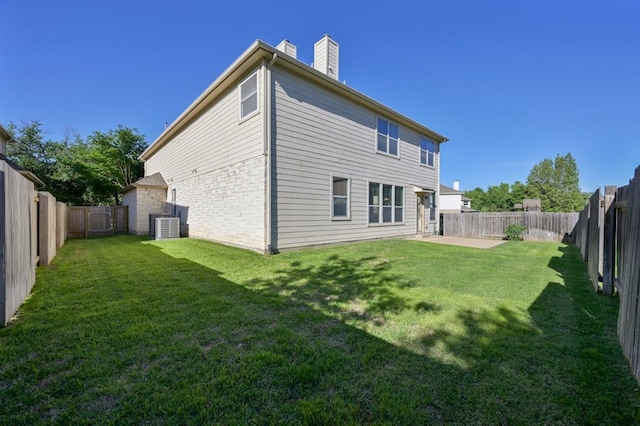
x: 29, y: 234
x: 608, y: 234
x: 541, y: 226
x: 96, y: 221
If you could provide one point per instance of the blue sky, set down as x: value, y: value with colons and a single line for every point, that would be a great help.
x: 509, y: 82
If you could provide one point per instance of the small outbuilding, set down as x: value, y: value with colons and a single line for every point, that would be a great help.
x: 144, y: 197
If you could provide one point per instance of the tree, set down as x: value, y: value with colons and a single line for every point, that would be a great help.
x: 477, y: 197
x: 556, y: 184
x: 52, y: 162
x: 519, y: 192
x: 110, y: 162
x: 499, y: 198
x: 79, y: 172
x: 29, y: 150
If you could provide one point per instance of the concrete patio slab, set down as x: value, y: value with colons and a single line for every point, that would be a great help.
x: 464, y: 242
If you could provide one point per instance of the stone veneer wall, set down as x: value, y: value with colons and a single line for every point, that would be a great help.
x: 225, y: 205
x: 142, y: 202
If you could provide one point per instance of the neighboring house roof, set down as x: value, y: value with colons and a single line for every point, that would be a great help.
x: 154, y: 181
x: 256, y: 53
x: 24, y: 172
x: 446, y: 190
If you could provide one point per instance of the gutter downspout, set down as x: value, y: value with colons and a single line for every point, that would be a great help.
x: 437, y: 195
x: 267, y: 154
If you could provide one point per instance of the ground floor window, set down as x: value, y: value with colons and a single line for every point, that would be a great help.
x: 340, y: 198
x: 386, y: 203
x: 431, y: 205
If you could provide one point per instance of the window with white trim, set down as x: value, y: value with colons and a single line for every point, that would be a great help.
x: 427, y: 152
x: 340, y: 198
x: 387, y: 137
x: 249, y: 96
x: 386, y: 203
x: 431, y: 205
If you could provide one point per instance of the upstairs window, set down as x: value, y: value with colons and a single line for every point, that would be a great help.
x: 427, y: 152
x: 340, y: 198
x: 387, y: 141
x: 249, y: 96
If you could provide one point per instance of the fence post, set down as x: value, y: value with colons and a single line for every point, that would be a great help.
x: 86, y: 222
x: 608, y: 259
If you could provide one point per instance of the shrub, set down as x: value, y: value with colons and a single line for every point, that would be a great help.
x: 514, y: 232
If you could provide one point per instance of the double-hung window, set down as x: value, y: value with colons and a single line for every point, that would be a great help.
x: 386, y: 203
x: 427, y: 152
x: 340, y: 198
x: 431, y: 205
x: 388, y: 134
x: 249, y: 96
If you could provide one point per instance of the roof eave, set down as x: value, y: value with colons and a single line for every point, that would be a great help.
x: 253, y: 55
x: 250, y: 58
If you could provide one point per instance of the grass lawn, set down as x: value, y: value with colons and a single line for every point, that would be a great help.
x: 122, y: 330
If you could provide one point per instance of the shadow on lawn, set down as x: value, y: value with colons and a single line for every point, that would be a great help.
x: 361, y: 290
x: 560, y: 353
x: 161, y: 339
x: 164, y: 340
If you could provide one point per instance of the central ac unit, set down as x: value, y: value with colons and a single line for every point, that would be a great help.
x: 167, y: 227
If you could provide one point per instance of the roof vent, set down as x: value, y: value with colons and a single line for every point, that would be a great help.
x: 287, y: 47
x: 325, y: 56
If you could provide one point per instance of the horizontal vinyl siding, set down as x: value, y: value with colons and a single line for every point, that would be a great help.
x: 217, y: 166
x: 216, y: 139
x: 318, y: 135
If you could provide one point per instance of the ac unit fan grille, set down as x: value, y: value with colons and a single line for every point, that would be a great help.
x: 167, y: 227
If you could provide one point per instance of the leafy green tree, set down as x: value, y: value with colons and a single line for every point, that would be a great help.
x: 498, y: 198
x: 29, y: 149
x: 477, y: 196
x: 53, y: 162
x: 111, y: 162
x: 79, y: 172
x: 556, y: 184
x: 519, y: 192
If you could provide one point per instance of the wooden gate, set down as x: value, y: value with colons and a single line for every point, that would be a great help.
x: 96, y: 221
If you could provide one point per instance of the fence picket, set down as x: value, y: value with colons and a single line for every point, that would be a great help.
x: 541, y: 226
x: 619, y: 238
x: 94, y: 221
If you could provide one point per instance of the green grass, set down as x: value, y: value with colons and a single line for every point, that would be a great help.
x: 126, y: 331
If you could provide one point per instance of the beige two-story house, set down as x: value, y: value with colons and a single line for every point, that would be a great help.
x: 276, y: 154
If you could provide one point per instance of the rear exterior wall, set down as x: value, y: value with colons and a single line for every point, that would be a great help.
x: 317, y: 134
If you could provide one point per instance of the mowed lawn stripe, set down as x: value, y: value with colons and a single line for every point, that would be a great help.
x: 124, y: 330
